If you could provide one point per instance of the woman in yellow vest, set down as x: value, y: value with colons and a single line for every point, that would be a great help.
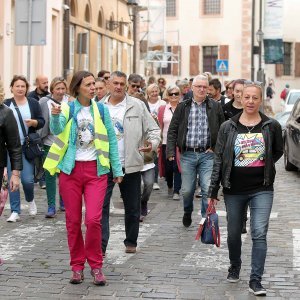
x: 84, y: 149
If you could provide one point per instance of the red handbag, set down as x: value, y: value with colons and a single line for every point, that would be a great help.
x: 3, y: 194
x: 209, y: 227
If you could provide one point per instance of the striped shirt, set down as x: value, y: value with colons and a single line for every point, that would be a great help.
x: 198, y: 130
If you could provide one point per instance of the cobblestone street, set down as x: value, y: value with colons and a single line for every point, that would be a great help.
x: 169, y: 263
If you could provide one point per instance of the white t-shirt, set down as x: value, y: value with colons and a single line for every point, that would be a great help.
x: 49, y: 140
x: 155, y: 106
x: 85, y: 146
x: 117, y: 113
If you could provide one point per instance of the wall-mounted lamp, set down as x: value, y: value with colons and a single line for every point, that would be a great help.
x: 112, y: 25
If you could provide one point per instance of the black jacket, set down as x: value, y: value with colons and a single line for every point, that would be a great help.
x: 9, y: 139
x: 36, y: 113
x: 224, y: 152
x: 179, y: 124
x: 35, y: 95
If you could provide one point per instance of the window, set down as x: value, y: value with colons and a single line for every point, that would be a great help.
x: 86, y: 56
x: 72, y: 46
x: 119, y: 56
x: 210, y: 55
x: 287, y: 58
x: 87, y: 15
x: 171, y: 8
x: 211, y: 7
x: 99, y: 52
x: 165, y: 68
x: 100, y: 19
x: 72, y: 8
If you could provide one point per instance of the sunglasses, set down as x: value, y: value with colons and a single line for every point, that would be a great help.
x: 174, y: 94
x: 161, y: 82
x: 106, y: 77
x: 135, y: 86
x: 255, y: 83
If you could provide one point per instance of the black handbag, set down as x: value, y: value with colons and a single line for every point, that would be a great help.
x: 32, y: 146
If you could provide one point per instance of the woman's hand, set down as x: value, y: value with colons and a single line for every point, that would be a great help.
x: 118, y: 179
x: 215, y: 201
x: 14, y: 182
x: 147, y: 147
x: 56, y: 109
x: 31, y: 123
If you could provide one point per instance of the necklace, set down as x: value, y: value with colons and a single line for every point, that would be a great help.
x: 249, y: 130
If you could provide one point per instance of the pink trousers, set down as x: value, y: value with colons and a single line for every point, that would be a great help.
x: 83, y: 181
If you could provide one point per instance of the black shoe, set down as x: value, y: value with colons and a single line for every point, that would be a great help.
x: 187, y: 219
x: 233, y: 273
x: 256, y: 288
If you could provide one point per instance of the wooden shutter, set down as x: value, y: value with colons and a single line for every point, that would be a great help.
x: 224, y: 54
x: 279, y: 70
x: 194, y: 60
x: 176, y: 67
x: 297, y: 59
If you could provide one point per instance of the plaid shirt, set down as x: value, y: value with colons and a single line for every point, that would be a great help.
x: 198, y: 130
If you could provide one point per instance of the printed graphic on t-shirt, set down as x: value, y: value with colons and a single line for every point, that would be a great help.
x: 118, y: 126
x: 249, y: 150
x: 85, y: 133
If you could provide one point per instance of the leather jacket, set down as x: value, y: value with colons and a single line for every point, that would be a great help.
x: 9, y: 139
x: 179, y: 124
x: 224, y: 152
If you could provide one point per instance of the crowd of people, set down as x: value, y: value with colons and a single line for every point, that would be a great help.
x: 109, y: 129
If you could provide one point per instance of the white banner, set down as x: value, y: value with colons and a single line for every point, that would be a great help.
x: 273, y: 22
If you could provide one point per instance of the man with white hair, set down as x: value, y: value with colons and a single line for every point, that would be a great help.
x: 194, y: 129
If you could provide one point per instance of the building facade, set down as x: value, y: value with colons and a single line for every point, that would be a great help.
x: 202, y: 31
x: 80, y: 35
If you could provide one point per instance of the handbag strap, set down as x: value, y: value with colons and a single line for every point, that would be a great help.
x: 20, y: 118
x: 216, y: 236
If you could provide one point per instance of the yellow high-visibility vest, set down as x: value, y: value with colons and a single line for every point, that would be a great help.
x: 61, y: 141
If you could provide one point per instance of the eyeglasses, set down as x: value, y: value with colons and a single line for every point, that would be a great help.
x: 106, y: 77
x: 161, y: 82
x: 174, y: 94
x: 135, y: 86
x: 200, y: 86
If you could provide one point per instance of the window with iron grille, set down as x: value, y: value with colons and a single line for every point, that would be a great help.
x: 210, y: 55
x: 211, y: 7
x: 287, y: 58
x: 171, y: 8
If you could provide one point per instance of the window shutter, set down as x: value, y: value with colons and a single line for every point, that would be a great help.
x: 224, y: 54
x: 279, y: 70
x: 194, y: 60
x: 297, y: 59
x: 176, y: 67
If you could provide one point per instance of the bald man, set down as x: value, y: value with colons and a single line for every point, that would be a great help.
x: 41, y: 83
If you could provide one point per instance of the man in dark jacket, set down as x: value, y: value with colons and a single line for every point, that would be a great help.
x: 194, y: 129
x: 41, y: 90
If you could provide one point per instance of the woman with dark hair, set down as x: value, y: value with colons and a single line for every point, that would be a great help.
x: 162, y: 86
x: 9, y: 141
x: 58, y: 90
x: 248, y: 146
x: 83, y: 151
x: 32, y: 118
x: 234, y: 106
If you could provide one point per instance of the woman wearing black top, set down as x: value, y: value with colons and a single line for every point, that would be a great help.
x: 33, y: 120
x: 234, y: 106
x: 247, y: 148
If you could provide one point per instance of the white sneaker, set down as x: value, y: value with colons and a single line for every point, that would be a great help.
x: 176, y: 196
x: 13, y: 217
x: 32, y: 208
x: 156, y: 186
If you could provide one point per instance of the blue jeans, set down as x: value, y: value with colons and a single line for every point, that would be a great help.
x: 193, y: 163
x: 148, y: 179
x: 27, y: 179
x: 260, y: 205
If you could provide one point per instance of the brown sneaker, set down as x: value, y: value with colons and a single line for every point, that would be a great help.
x: 130, y: 249
x: 99, y: 278
x: 77, y: 277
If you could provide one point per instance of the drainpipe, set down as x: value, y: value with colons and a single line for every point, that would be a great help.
x: 66, y: 38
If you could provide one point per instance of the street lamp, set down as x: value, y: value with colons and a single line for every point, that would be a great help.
x: 132, y: 11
